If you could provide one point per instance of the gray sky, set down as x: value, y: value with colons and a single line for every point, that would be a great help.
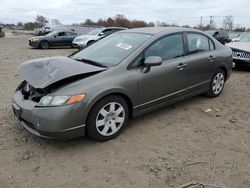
x: 169, y: 11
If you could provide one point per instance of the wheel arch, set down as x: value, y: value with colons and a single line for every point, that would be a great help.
x: 224, y: 70
x: 117, y: 93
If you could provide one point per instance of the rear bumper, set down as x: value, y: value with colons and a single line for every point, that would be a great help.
x: 62, y: 122
x: 243, y: 63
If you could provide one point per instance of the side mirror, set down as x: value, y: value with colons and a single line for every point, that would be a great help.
x: 151, y: 61
x: 55, y: 36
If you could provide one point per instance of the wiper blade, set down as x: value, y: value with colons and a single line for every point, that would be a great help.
x: 91, y: 62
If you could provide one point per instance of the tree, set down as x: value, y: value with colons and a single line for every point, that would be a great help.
x: 89, y: 22
x: 19, y: 24
x: 29, y: 26
x: 228, y: 22
x: 41, y: 20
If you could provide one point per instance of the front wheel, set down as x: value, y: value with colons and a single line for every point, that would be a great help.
x: 107, y: 118
x: 44, y: 44
x: 217, y: 83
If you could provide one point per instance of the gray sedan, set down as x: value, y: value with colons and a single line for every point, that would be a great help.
x: 55, y: 38
x: 98, y: 89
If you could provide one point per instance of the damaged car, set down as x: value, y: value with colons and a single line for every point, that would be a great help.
x: 241, y: 51
x: 96, y: 91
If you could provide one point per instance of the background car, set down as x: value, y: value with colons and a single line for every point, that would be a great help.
x: 93, y: 36
x: 56, y: 38
x: 241, y: 51
x: 220, y: 35
x: 126, y: 74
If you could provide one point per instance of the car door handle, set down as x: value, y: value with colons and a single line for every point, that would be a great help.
x: 181, y: 66
x: 211, y: 58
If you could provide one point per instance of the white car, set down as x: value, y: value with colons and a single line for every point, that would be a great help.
x: 241, y: 51
x: 94, y: 35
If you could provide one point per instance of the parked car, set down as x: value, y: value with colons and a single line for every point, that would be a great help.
x: 56, y: 38
x: 98, y: 89
x: 220, y: 35
x: 237, y: 38
x: 241, y: 51
x: 94, y: 35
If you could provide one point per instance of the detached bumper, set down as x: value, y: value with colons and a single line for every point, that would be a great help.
x: 62, y: 122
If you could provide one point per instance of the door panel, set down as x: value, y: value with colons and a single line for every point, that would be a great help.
x: 162, y: 83
x: 200, y: 61
x: 167, y: 81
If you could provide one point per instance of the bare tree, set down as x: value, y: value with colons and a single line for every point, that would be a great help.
x: 41, y: 20
x: 228, y: 22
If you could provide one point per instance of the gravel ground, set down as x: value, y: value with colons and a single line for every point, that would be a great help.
x: 166, y: 148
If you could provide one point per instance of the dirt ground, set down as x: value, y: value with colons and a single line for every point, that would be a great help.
x: 166, y: 148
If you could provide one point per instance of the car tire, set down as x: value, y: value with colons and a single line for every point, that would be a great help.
x: 90, y: 42
x: 217, y: 83
x: 44, y: 44
x: 107, y: 118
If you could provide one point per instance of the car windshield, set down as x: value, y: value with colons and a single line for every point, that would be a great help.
x: 95, y: 31
x: 113, y: 49
x: 245, y: 38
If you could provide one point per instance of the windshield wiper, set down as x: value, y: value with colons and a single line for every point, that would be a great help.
x: 91, y: 62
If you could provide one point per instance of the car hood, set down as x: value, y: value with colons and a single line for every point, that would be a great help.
x: 245, y: 46
x: 43, y: 72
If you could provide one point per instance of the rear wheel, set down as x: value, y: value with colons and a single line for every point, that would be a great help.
x: 217, y: 83
x: 44, y: 44
x: 107, y: 118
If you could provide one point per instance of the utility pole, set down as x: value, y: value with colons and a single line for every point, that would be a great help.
x: 211, y: 21
x: 201, y: 21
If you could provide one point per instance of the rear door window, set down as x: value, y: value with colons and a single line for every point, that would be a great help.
x: 197, y: 43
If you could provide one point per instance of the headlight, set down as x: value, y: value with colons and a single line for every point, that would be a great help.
x: 34, y: 39
x: 60, y: 100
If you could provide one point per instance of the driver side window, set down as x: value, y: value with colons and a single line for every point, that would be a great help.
x: 169, y: 47
x: 61, y: 34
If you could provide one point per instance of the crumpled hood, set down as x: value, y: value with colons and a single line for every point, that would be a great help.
x: 43, y: 72
x: 245, y: 46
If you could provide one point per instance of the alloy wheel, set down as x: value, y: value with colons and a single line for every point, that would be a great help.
x: 218, y: 83
x: 110, y: 119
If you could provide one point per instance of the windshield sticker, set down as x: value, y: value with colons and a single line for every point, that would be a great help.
x: 124, y: 46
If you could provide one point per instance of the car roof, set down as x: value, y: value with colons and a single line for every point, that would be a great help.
x: 115, y: 28
x: 159, y: 30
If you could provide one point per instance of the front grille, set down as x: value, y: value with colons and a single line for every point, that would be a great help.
x: 241, y: 55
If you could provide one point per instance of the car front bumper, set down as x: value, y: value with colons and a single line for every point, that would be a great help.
x: 78, y: 45
x: 60, y: 123
x: 34, y: 43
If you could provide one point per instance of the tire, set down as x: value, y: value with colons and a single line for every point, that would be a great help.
x: 103, y: 123
x: 90, y: 42
x: 44, y: 44
x: 217, y: 84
